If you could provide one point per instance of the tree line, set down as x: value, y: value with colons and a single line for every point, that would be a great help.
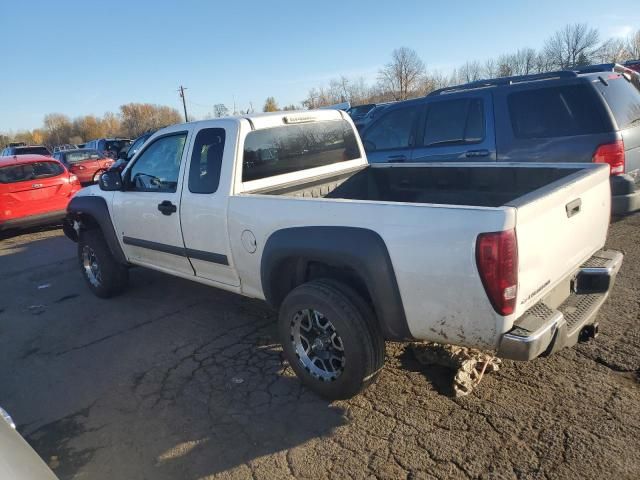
x: 132, y: 120
x: 406, y: 75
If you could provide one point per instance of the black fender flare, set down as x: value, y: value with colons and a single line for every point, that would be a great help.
x: 361, y: 250
x: 96, y: 208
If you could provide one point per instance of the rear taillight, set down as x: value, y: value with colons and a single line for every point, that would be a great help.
x: 497, y: 260
x: 73, y: 180
x: 613, y: 154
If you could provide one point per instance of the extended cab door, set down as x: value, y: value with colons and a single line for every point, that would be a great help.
x: 456, y: 129
x: 203, y: 208
x: 146, y: 213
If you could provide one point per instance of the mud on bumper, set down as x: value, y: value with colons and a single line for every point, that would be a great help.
x: 544, y: 330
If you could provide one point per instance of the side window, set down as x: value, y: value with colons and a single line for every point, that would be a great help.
x: 206, y: 160
x: 454, y: 122
x: 157, y: 168
x: 393, y: 130
x: 556, y: 112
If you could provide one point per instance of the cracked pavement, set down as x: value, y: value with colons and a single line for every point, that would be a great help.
x: 178, y: 380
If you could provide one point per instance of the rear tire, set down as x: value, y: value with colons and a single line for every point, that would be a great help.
x: 96, y: 176
x: 330, y: 338
x: 103, y: 274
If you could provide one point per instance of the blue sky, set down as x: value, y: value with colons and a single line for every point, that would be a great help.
x: 79, y: 57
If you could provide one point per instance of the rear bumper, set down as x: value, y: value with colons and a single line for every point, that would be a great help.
x: 544, y: 330
x: 33, y: 220
x: 625, y: 193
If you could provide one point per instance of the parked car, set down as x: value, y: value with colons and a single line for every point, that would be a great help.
x: 358, y: 112
x: 633, y: 65
x: 86, y: 164
x: 18, y: 461
x: 502, y: 257
x: 371, y: 115
x: 34, y: 190
x: 66, y: 146
x: 22, y: 149
x: 125, y: 156
x: 555, y: 117
x: 109, y: 147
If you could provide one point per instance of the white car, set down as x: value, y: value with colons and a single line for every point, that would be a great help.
x: 504, y: 257
x: 18, y: 461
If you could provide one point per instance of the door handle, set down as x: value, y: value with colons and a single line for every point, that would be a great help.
x: 167, y: 208
x: 573, y: 208
x: 477, y: 153
x: 396, y: 158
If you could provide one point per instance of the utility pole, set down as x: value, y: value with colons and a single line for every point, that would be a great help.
x: 184, y: 103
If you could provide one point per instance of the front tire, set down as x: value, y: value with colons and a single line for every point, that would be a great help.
x: 103, y: 274
x: 330, y: 339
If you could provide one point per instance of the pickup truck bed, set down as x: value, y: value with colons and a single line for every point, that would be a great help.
x: 476, y: 185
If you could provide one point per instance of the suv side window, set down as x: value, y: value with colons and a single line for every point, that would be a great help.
x: 561, y: 111
x: 157, y: 168
x: 623, y: 100
x: 393, y: 130
x: 454, y: 122
x: 206, y: 160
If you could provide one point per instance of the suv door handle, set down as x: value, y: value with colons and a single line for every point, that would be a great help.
x: 477, y: 153
x: 396, y: 158
x: 167, y: 208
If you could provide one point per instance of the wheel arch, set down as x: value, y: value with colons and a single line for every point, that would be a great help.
x: 356, y: 256
x: 91, y: 212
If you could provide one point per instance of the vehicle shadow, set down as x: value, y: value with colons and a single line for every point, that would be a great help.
x: 439, y: 376
x: 16, y: 232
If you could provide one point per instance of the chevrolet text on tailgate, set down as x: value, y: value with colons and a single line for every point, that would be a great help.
x: 286, y: 208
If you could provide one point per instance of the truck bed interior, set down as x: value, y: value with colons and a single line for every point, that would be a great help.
x: 476, y: 186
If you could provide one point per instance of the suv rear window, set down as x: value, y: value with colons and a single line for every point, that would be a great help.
x: 31, y: 151
x: 623, y: 99
x: 279, y: 150
x: 557, y: 112
x: 30, y: 171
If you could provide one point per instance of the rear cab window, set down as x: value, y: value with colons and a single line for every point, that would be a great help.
x: 291, y: 148
x: 30, y: 171
x: 557, y: 111
x: 623, y: 99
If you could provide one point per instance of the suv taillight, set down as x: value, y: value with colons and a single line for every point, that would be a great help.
x: 497, y: 260
x: 613, y: 154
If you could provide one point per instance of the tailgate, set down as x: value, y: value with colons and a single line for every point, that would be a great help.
x: 558, y: 227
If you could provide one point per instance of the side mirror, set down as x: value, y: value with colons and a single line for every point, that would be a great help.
x: 110, y: 181
x: 122, y: 155
x: 369, y: 146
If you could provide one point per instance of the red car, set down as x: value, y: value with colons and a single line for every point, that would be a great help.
x: 86, y: 163
x: 34, y: 190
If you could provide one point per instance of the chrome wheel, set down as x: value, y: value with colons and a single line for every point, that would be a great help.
x: 317, y: 344
x: 91, y: 266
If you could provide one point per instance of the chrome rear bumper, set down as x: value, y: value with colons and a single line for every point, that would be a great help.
x: 544, y: 330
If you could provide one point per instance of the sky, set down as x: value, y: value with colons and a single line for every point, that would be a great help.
x: 81, y: 57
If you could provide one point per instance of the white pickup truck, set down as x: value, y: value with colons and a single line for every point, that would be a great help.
x: 285, y: 207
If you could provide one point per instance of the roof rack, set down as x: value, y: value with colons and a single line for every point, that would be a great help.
x: 493, y: 82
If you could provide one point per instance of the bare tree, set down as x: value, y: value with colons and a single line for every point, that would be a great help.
x: 633, y: 45
x: 470, y: 72
x: 402, y: 75
x: 572, y: 45
x: 220, y: 110
x: 613, y: 50
x: 490, y: 69
x: 58, y: 128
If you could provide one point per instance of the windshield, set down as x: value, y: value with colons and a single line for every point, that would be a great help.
x: 81, y: 156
